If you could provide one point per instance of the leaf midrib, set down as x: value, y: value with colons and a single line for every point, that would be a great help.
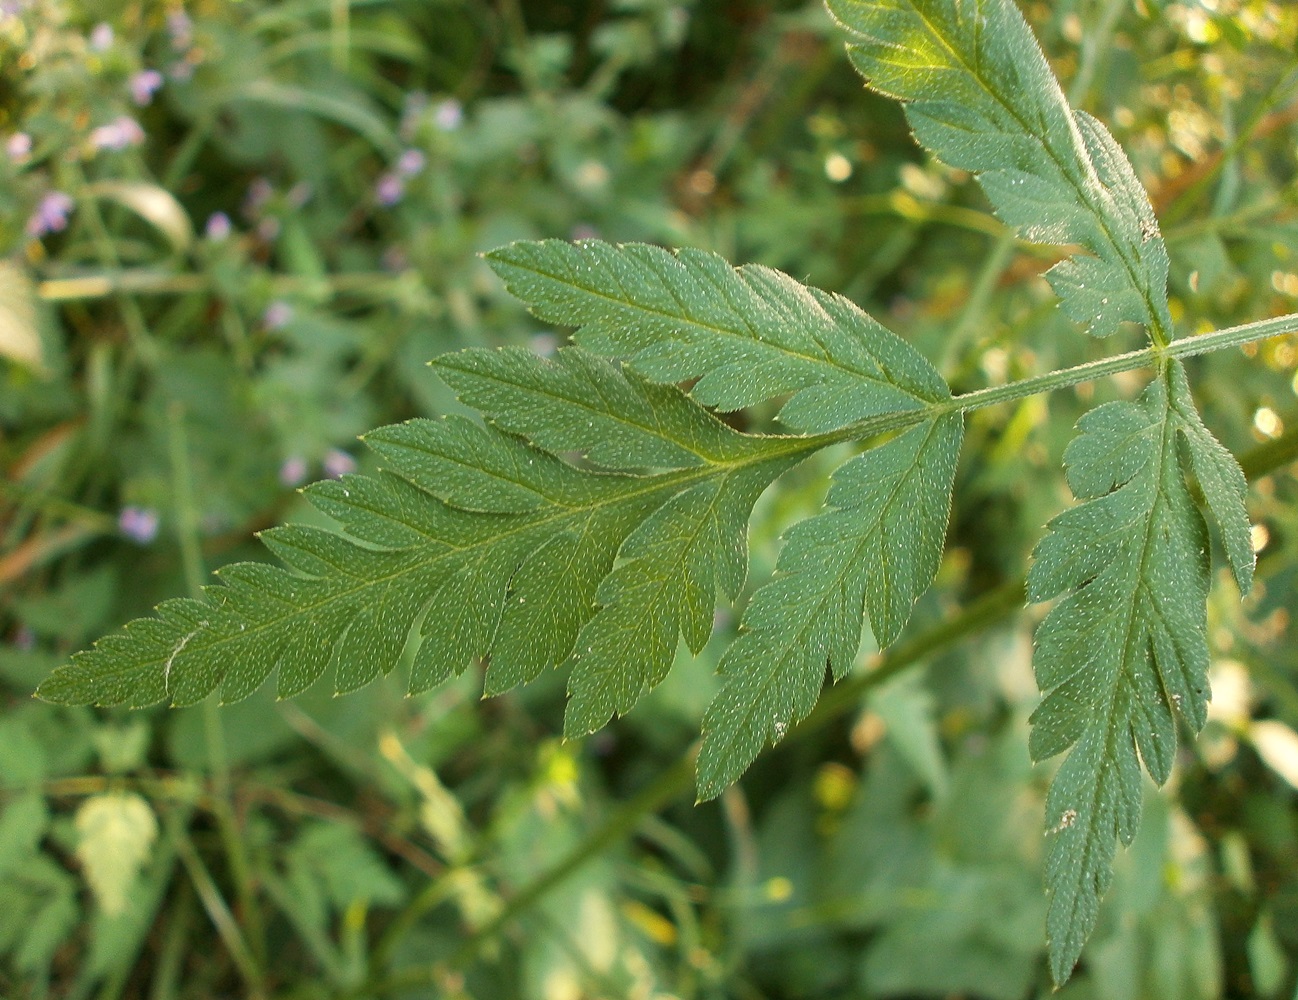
x: 828, y: 361
x: 674, y: 482
x: 1109, y: 715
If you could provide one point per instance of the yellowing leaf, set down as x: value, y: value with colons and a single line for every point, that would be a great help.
x: 19, y: 336
x: 115, y: 834
x: 155, y: 205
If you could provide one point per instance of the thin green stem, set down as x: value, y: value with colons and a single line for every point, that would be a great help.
x: 1147, y: 357
x: 227, y: 928
x: 191, y: 556
x: 1186, y: 347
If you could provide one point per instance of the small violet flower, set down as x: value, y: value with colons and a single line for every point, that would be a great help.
x: 259, y: 193
x: 51, y: 214
x: 293, y: 471
x: 25, y: 638
x: 389, y: 189
x: 181, y: 30
x: 121, y: 133
x: 411, y: 162
x: 218, y: 227
x: 139, y: 524
x: 101, y: 37
x: 338, y: 463
x: 144, y: 85
x: 277, y: 315
x: 448, y: 115
x: 18, y: 147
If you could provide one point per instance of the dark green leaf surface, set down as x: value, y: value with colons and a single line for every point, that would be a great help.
x: 1122, y: 651
x: 746, y: 334
x: 471, y: 542
x: 876, y: 549
x: 979, y: 93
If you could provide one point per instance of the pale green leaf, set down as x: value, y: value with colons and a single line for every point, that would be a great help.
x: 1221, y: 480
x: 1123, y: 649
x: 875, y: 549
x: 155, y: 205
x: 979, y: 93
x: 746, y: 334
x: 115, y: 835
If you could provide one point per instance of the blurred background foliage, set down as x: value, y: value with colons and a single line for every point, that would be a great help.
x: 233, y: 232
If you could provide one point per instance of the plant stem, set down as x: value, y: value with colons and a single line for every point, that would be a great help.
x: 214, y: 734
x: 1186, y: 347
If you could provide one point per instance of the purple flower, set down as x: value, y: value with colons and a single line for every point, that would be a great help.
x: 448, y: 115
x: 338, y: 463
x: 121, y: 133
x: 395, y: 259
x: 18, y: 147
x: 293, y: 471
x: 584, y: 231
x: 259, y: 192
x: 143, y: 85
x: 25, y: 638
x: 411, y: 162
x: 299, y: 194
x: 139, y: 524
x: 389, y: 189
x: 181, y: 30
x: 101, y: 38
x: 277, y: 315
x: 218, y: 227
x: 51, y: 214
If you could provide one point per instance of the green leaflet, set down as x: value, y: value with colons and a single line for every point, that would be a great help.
x: 1123, y: 650
x: 1221, y: 480
x: 578, y: 402
x: 746, y: 334
x: 979, y: 93
x: 876, y: 549
x: 472, y: 542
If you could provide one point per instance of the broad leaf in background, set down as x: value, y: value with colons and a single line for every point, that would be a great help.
x: 979, y: 93
x: 876, y: 549
x: 747, y: 334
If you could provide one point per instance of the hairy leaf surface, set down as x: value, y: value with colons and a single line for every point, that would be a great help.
x: 746, y: 334
x: 876, y: 549
x: 979, y: 93
x: 1122, y: 651
x: 473, y: 542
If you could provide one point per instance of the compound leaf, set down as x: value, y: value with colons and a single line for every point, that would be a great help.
x: 473, y: 542
x: 1123, y: 649
x: 746, y: 334
x: 978, y: 92
x: 875, y: 549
